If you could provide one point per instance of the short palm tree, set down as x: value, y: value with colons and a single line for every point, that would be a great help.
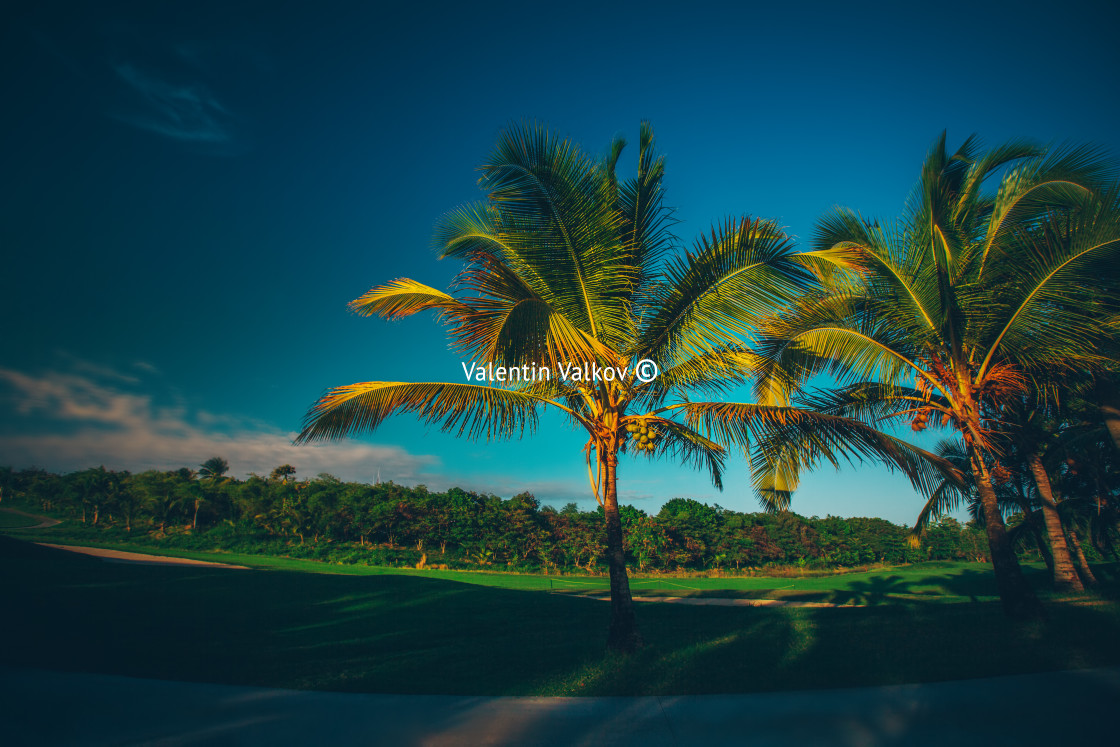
x: 213, y: 468
x: 566, y: 268
x: 947, y: 315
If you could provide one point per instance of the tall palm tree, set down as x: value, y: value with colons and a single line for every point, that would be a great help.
x: 212, y: 470
x: 568, y: 269
x: 946, y: 315
x: 1030, y: 435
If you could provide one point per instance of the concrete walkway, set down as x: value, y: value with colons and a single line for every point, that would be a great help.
x: 53, y: 708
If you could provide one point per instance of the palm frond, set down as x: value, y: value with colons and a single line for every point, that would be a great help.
x: 876, y: 403
x: 949, y: 495
x: 1064, y: 176
x: 793, y: 439
x: 1057, y: 290
x: 714, y: 372
x: 943, y: 501
x: 860, y: 354
x: 984, y: 167
x: 888, y: 269
x: 554, y: 206
x: 692, y: 449
x: 646, y: 223
x: 404, y: 297
x: 464, y: 409
x: 712, y: 297
x: 513, y: 317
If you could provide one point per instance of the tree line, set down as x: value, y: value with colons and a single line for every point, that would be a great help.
x: 347, y: 522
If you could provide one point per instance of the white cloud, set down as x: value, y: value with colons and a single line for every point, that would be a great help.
x: 89, y: 415
x: 90, y: 422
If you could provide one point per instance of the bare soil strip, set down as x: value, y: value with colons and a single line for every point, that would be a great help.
x: 730, y: 602
x: 119, y: 556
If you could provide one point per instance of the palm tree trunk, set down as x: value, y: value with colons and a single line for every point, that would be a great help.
x: 623, y: 635
x: 1043, y: 546
x: 1082, y: 561
x: 1108, y: 399
x: 1065, y: 576
x: 1018, y: 598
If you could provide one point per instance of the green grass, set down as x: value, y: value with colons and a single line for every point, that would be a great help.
x: 413, y: 633
x: 12, y: 520
x: 941, y: 581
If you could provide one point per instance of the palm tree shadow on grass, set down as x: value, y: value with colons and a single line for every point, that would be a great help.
x: 873, y: 591
x: 753, y: 650
x: 974, y: 584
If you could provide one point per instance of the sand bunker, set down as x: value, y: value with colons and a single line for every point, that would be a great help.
x: 119, y: 556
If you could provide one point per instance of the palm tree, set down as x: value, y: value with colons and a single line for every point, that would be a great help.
x: 282, y: 473
x: 944, y: 316
x: 569, y: 270
x: 1022, y: 484
x: 1029, y: 441
x: 211, y: 470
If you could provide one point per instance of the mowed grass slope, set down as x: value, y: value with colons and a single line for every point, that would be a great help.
x: 945, y: 581
x: 409, y: 634
x: 16, y: 519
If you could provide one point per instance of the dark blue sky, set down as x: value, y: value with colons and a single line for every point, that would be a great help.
x: 193, y: 191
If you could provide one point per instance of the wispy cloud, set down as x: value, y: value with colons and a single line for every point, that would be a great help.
x: 182, y: 111
x: 82, y: 414
x: 89, y: 415
x: 80, y: 365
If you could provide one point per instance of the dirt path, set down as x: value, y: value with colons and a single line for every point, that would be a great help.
x: 120, y: 556
x: 729, y: 602
x: 44, y: 521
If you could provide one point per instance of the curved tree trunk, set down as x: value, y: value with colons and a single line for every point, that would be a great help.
x: 623, y: 635
x: 1082, y: 561
x: 1018, y: 598
x: 1065, y: 576
x: 1043, y: 546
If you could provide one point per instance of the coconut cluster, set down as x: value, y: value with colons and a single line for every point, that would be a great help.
x: 643, y: 436
x: 920, y: 422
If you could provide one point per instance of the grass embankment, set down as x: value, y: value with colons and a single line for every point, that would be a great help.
x: 407, y: 634
x: 15, y: 519
x: 938, y: 581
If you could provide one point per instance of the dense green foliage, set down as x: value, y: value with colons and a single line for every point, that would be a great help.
x: 389, y: 524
